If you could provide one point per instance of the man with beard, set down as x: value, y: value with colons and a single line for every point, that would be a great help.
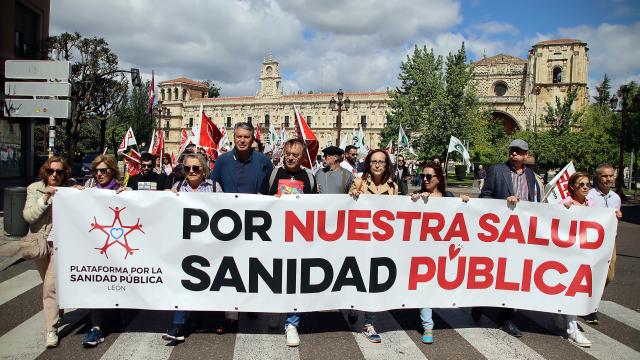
x: 291, y: 179
x: 147, y: 179
x: 351, y: 160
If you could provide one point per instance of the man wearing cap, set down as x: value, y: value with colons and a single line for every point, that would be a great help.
x: 333, y: 178
x: 514, y: 182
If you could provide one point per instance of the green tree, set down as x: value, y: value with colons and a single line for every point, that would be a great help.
x: 133, y: 113
x: 213, y: 91
x: 604, y: 96
x: 97, y: 90
x: 561, y: 118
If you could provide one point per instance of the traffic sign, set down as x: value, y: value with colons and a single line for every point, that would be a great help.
x: 43, y: 108
x: 37, y: 69
x: 37, y: 88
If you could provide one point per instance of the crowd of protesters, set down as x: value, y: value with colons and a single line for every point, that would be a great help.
x: 245, y: 169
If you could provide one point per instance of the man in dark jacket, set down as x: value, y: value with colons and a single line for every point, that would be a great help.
x: 147, y: 179
x: 514, y: 182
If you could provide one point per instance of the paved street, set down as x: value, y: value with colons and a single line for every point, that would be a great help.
x: 327, y: 335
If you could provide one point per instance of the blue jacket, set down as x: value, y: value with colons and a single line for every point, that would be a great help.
x: 498, y: 185
x: 224, y: 170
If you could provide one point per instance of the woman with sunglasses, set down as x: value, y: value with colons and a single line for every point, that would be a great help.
x: 104, y: 169
x: 196, y: 173
x: 377, y: 179
x: 54, y: 173
x: 578, y: 188
x: 433, y: 185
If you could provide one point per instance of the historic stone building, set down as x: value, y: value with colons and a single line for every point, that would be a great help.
x: 516, y: 90
x: 270, y: 106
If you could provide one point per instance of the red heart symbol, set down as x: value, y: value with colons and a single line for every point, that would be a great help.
x: 453, y: 251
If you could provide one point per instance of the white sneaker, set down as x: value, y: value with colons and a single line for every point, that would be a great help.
x: 52, y: 339
x: 579, y: 339
x: 292, y: 336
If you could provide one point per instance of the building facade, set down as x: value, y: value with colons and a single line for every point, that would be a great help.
x: 516, y: 90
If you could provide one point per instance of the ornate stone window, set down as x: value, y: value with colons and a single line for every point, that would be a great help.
x: 267, y: 120
x: 500, y: 88
x: 309, y: 120
x: 286, y: 121
x: 228, y: 121
x: 557, y: 75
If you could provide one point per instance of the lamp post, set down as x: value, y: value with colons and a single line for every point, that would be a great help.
x: 623, y: 93
x: 339, y: 106
x: 159, y: 111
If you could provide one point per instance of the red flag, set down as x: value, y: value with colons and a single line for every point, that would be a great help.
x: 304, y: 133
x: 257, y: 134
x: 152, y: 94
x: 183, y: 137
x: 173, y: 159
x: 132, y: 161
x: 158, y: 146
x: 210, y: 135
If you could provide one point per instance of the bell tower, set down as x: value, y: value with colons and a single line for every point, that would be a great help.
x: 270, y: 78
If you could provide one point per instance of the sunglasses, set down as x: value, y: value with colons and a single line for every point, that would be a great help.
x: 101, y: 171
x: 583, y: 185
x: 428, y: 177
x: 146, y: 166
x: 194, y: 168
x: 58, y: 172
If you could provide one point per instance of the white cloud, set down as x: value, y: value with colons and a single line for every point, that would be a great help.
x: 495, y: 27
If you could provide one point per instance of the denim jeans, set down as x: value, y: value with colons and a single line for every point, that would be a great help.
x: 179, y: 318
x: 426, y: 315
x: 369, y: 318
x: 292, y: 319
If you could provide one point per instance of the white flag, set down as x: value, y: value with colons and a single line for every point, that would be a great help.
x: 330, y: 140
x: 273, y: 135
x: 456, y: 145
x: 128, y: 140
x: 343, y: 142
x: 558, y: 188
x: 224, y: 141
x: 403, y: 139
x: 362, y: 148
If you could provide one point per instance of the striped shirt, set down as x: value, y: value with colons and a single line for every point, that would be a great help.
x: 205, y: 186
x: 520, y: 186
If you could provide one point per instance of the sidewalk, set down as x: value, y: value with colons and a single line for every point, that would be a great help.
x: 9, y: 247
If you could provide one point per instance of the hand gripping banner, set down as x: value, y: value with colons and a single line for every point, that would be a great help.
x: 215, y: 251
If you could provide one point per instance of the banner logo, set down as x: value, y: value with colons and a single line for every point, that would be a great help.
x: 116, y: 234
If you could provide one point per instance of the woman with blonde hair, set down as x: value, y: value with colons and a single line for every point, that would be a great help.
x: 55, y: 172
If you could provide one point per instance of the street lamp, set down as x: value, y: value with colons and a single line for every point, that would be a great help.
x: 339, y: 106
x: 159, y: 111
x: 623, y: 93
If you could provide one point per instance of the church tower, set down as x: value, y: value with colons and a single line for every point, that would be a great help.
x: 555, y: 68
x: 270, y: 78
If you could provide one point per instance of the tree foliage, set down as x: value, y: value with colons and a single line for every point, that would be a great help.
x: 213, y: 91
x: 97, y: 90
x: 604, y: 96
x: 435, y: 99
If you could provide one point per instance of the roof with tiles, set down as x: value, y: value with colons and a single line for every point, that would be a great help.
x: 288, y: 97
x: 184, y: 80
x: 559, y: 42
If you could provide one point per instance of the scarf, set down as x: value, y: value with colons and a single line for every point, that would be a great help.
x: 112, y: 185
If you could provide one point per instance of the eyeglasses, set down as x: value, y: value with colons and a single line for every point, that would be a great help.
x: 101, y: 171
x: 146, y: 166
x: 58, y: 172
x: 377, y: 162
x: 428, y: 177
x: 194, y: 168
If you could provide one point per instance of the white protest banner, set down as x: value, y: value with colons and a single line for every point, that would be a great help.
x: 203, y: 251
x: 559, y: 185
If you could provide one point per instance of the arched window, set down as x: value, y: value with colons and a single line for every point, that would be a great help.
x: 184, y: 94
x: 267, y: 120
x: 162, y: 94
x: 557, y: 75
x: 175, y: 94
x: 500, y: 88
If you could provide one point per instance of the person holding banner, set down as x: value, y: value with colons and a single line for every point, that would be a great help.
x: 333, y: 179
x: 197, y: 171
x: 148, y: 179
x: 514, y: 182
x: 578, y: 188
x: 433, y: 185
x: 105, y: 176
x: 377, y: 179
x: 602, y: 196
x: 37, y: 211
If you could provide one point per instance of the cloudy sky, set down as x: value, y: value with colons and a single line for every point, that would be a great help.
x: 356, y: 45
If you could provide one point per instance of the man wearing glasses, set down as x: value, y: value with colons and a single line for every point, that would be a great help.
x: 514, y: 182
x: 147, y: 179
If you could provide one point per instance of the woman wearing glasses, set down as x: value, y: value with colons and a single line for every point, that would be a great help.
x: 578, y: 188
x: 104, y: 169
x: 376, y: 180
x: 54, y: 173
x: 196, y: 173
x: 433, y: 185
